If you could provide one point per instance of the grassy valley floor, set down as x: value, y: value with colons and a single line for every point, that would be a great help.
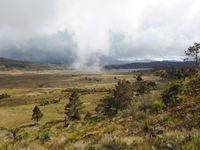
x: 132, y: 128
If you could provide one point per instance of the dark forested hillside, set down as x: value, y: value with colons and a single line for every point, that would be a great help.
x: 155, y: 64
x: 10, y: 64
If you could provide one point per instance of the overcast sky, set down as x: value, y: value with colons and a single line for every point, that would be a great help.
x: 66, y: 31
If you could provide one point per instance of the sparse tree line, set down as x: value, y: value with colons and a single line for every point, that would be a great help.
x: 119, y: 99
x: 123, y: 97
x: 192, y: 54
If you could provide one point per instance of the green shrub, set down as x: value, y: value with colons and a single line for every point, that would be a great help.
x: 146, y: 103
x: 44, y: 102
x: 188, y: 141
x: 139, y: 78
x: 157, y: 105
x: 72, y: 138
x: 180, y: 98
x: 133, y: 109
x: 152, y: 84
x: 114, y: 144
x: 193, y: 86
x: 171, y: 94
x: 88, y: 116
x: 44, y: 137
x: 149, y: 126
x: 109, y: 129
x: 142, y: 87
x: 47, y: 102
x: 4, y: 146
x: 55, y: 101
x: 141, y: 115
x: 167, y: 118
x: 153, y: 148
x: 5, y: 95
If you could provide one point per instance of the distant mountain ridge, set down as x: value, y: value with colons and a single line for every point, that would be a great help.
x: 7, y: 64
x: 153, y: 64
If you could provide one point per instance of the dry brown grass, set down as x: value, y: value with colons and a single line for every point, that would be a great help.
x: 27, y: 89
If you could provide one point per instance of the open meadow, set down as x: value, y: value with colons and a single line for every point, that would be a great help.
x: 26, y: 90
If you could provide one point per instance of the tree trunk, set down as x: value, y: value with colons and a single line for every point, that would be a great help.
x: 14, y: 136
x: 196, y: 58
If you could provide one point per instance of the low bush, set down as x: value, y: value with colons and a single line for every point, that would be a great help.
x: 47, y: 102
x: 193, y: 87
x: 110, y: 143
x: 44, y: 102
x: 167, y: 118
x: 72, y: 138
x: 172, y: 94
x: 152, y: 84
x: 142, y: 87
x: 5, y: 95
x: 157, y: 105
x: 88, y: 116
x: 87, y: 91
x: 149, y: 126
x: 43, y: 135
x: 178, y: 141
x: 109, y: 129
x: 146, y: 103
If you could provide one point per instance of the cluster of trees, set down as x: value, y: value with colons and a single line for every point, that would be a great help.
x: 72, y: 109
x: 176, y: 90
x: 177, y: 73
x: 119, y: 99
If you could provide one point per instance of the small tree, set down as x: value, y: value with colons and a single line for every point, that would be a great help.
x: 87, y: 116
x: 14, y: 132
x: 106, y: 106
x: 120, y: 99
x: 122, y: 94
x: 37, y: 114
x: 73, y: 108
x: 194, y: 51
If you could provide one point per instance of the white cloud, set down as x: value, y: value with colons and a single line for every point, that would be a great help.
x: 118, y: 28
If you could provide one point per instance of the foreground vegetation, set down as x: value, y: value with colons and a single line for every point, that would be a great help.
x: 156, y: 109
